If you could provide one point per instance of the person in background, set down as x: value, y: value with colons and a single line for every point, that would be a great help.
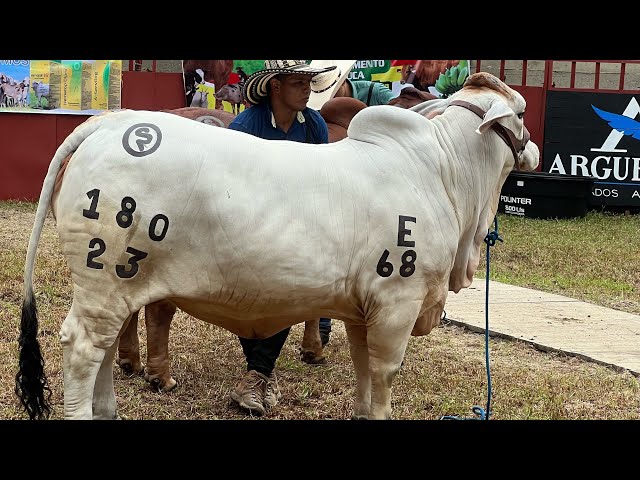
x: 278, y: 95
x: 336, y: 83
x: 370, y: 93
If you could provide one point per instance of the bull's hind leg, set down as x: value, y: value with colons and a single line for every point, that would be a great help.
x: 158, y: 317
x: 129, y: 348
x: 88, y: 346
x: 357, y: 335
x: 311, y: 348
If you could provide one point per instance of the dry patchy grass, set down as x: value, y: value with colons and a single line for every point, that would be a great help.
x: 444, y: 373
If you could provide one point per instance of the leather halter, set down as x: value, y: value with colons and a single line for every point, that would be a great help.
x: 516, y: 146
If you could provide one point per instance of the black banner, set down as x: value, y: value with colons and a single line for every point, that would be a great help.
x: 595, y: 135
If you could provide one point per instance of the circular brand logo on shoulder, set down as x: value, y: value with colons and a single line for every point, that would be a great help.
x: 142, y: 139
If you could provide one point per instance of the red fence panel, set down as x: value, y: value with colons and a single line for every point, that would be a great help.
x: 31, y: 141
x: 152, y: 91
x: 28, y: 142
x: 65, y: 124
x: 603, y: 76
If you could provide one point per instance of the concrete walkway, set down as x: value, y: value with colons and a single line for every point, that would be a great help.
x: 550, y: 322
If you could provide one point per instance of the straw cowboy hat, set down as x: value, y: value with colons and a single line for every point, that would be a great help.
x: 325, y: 86
x: 255, y: 87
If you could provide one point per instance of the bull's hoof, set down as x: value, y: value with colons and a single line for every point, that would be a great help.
x: 359, y: 417
x: 311, y: 358
x: 160, y: 385
x: 129, y: 367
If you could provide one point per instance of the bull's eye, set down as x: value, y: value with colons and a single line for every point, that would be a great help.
x: 520, y: 115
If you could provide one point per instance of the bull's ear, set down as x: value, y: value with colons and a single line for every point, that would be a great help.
x: 497, y: 111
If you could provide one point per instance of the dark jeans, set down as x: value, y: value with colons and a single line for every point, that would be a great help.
x: 262, y: 353
x: 325, y: 325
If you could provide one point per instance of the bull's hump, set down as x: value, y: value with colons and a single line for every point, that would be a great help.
x: 385, y: 122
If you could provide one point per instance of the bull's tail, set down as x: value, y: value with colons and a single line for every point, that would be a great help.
x: 31, y: 381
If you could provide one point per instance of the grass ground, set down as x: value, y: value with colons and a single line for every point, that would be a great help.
x: 444, y: 373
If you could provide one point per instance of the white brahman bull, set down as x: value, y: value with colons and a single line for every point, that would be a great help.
x: 257, y: 235
x: 338, y: 113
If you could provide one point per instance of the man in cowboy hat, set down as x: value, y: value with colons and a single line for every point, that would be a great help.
x: 278, y: 95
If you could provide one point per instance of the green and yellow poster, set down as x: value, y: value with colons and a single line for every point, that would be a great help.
x: 85, y: 87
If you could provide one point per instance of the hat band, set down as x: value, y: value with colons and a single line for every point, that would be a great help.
x: 332, y: 84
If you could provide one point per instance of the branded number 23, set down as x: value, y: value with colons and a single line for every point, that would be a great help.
x: 124, y: 219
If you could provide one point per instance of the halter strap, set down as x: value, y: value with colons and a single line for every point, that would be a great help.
x: 516, y: 146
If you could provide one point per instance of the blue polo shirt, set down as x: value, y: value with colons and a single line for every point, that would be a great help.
x: 258, y: 120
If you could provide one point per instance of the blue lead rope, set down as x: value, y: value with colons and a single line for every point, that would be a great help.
x: 490, y: 240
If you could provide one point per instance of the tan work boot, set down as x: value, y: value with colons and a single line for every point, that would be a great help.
x: 249, y: 393
x: 272, y: 392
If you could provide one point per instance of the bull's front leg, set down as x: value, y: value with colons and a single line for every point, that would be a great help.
x: 104, y: 398
x: 129, y: 348
x: 357, y: 336
x: 387, y: 338
x: 158, y: 317
x: 311, y: 350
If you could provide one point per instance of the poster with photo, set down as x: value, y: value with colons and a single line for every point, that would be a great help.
x: 217, y: 84
x: 86, y: 87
